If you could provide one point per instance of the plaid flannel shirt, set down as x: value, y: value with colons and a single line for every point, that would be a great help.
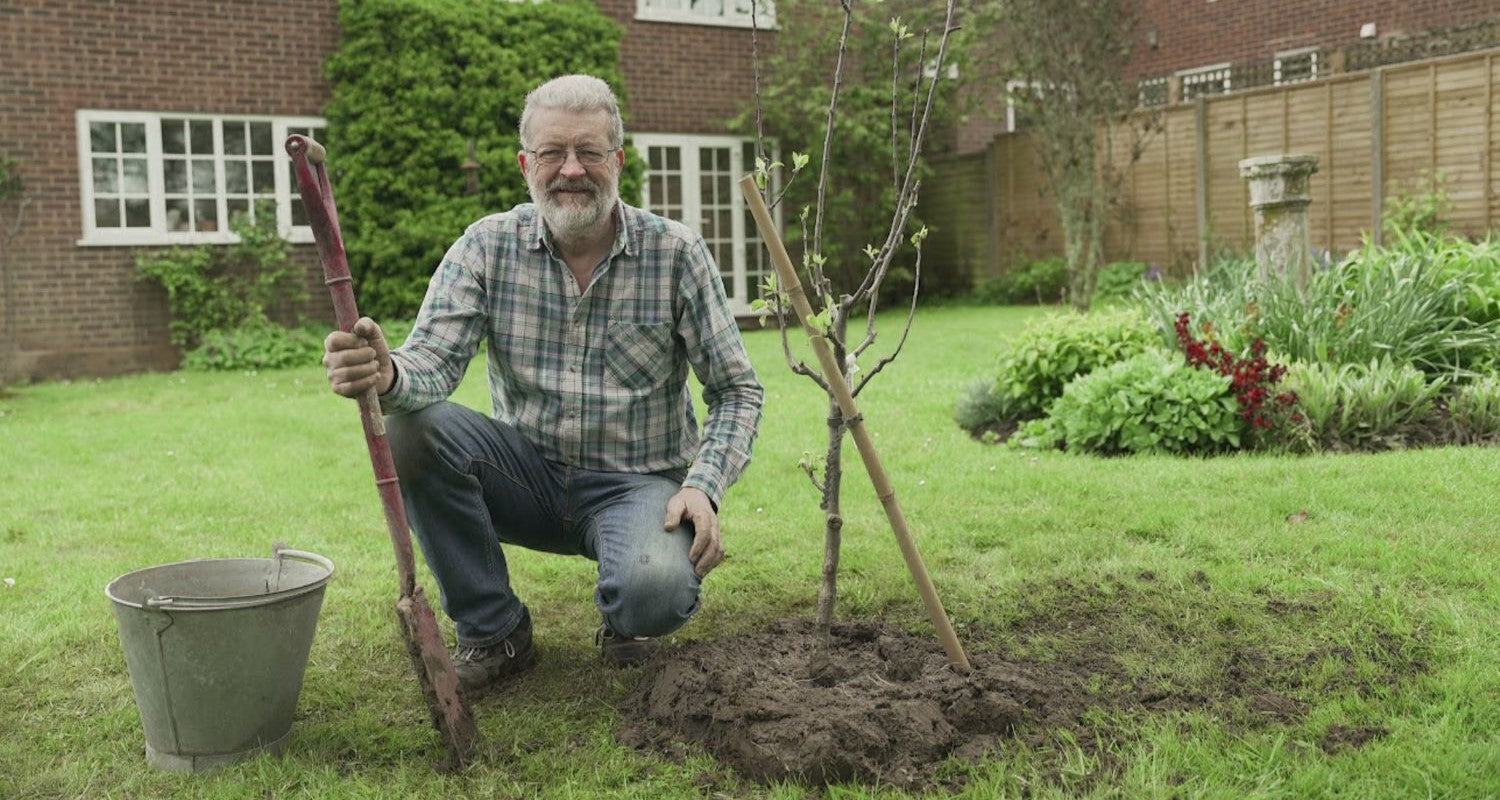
x: 597, y: 378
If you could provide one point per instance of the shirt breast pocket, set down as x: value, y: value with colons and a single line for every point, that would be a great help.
x: 638, y: 355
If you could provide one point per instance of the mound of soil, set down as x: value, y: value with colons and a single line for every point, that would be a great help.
x: 874, y: 704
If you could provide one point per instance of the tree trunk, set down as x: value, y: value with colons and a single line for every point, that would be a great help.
x: 833, y: 473
x: 833, y: 477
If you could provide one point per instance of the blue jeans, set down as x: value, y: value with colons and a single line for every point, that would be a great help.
x: 472, y: 484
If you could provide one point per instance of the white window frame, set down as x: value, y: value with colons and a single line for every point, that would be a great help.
x: 1314, y: 71
x: 1226, y: 83
x: 741, y: 233
x: 157, y: 234
x: 1158, y: 82
x: 680, y: 11
x: 1034, y: 87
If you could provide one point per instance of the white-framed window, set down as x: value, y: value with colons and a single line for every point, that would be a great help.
x: 1295, y: 66
x: 1151, y: 92
x: 1205, y: 81
x: 729, y: 13
x: 695, y: 180
x: 1017, y: 95
x: 159, y: 178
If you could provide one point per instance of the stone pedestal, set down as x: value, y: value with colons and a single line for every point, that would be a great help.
x: 1279, y: 193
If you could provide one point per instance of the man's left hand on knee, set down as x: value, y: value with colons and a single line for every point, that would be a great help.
x: 692, y: 506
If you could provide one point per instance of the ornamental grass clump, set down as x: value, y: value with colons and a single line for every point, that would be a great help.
x: 1382, y: 405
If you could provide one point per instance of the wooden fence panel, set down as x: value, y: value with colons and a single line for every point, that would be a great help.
x: 1438, y: 117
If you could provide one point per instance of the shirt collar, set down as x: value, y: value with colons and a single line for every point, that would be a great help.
x: 538, y: 237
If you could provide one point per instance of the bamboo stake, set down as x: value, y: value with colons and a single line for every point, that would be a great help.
x: 833, y: 372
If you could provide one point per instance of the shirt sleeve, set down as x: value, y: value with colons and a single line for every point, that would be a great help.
x: 731, y: 390
x: 447, y: 332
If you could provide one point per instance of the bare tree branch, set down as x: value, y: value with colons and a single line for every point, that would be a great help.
x: 911, y: 314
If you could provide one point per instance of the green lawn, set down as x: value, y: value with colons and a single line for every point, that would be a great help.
x: 1380, y: 607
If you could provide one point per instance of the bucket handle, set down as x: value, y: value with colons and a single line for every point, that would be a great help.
x: 244, y: 601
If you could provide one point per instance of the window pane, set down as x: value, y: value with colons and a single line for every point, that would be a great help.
x: 234, y: 137
x: 238, y: 210
x: 177, y: 216
x: 260, y: 138
x: 202, y: 132
x: 138, y: 213
x: 102, y: 137
x: 106, y: 177
x: 206, y: 214
x: 236, y: 177
x: 203, y: 176
x: 174, y: 174
x: 135, y: 175
x: 674, y: 158
x: 107, y: 213
x: 674, y: 190
x: 263, y: 177
x: 173, y: 136
x: 133, y: 137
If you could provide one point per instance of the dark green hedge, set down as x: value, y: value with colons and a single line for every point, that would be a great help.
x: 413, y: 81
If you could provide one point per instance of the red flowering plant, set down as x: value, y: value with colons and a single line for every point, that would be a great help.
x: 1252, y: 379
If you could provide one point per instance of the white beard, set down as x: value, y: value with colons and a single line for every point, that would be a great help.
x: 569, y: 221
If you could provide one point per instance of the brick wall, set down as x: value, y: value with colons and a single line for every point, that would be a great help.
x: 1197, y: 33
x: 682, y: 78
x: 78, y: 310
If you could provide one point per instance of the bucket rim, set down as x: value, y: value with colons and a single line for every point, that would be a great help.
x: 226, y: 603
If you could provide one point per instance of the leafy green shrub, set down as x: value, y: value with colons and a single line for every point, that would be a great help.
x: 256, y: 346
x: 1149, y: 403
x: 1419, y: 211
x: 1041, y: 282
x: 215, y: 288
x: 413, y: 82
x: 1117, y: 282
x: 1376, y: 406
x: 1060, y: 347
x: 1474, y: 411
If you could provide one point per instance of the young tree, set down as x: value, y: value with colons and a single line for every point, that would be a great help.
x: 1065, y: 66
x: 850, y: 285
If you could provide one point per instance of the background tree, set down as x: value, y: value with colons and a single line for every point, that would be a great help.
x: 13, y: 203
x: 1066, y: 62
x: 795, y: 72
x: 869, y: 181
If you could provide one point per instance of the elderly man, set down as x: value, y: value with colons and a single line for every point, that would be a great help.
x: 593, y: 311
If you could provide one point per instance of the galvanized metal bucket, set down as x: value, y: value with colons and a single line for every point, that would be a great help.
x: 216, y: 650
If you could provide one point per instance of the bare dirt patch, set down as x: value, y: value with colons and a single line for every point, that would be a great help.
x: 875, y: 704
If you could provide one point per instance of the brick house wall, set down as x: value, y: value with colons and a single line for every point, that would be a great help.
x: 74, y: 310
x: 1197, y: 33
x: 78, y: 310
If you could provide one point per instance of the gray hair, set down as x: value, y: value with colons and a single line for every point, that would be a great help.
x: 574, y: 93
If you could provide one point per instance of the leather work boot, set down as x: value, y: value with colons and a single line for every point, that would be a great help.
x: 480, y: 669
x: 624, y: 651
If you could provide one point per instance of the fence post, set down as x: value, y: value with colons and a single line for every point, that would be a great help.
x: 1279, y: 193
x: 1200, y: 113
x: 1377, y: 152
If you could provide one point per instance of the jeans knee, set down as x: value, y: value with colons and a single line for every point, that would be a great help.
x: 414, y: 438
x: 653, y: 600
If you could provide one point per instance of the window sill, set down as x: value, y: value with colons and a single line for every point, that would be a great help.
x: 703, y: 20
x: 158, y: 239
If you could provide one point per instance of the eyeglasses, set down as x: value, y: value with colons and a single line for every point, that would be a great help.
x: 587, y: 156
